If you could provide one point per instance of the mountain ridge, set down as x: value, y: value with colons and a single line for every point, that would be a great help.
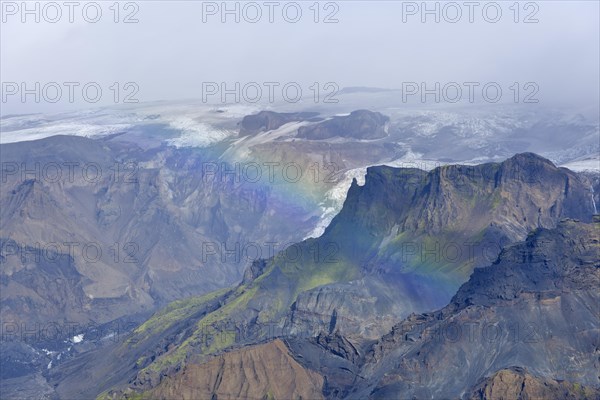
x: 280, y: 297
x: 425, y: 355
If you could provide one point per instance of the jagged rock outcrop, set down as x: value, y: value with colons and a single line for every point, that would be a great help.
x: 354, y: 282
x: 416, y: 236
x: 256, y: 269
x: 535, y: 308
x: 150, y: 223
x: 524, y: 327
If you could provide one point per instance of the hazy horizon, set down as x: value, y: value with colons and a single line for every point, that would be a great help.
x: 173, y: 55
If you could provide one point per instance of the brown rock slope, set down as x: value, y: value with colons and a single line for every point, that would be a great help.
x: 265, y: 371
x: 516, y: 383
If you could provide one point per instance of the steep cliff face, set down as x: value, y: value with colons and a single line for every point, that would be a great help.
x: 145, y: 223
x: 524, y: 327
x: 416, y: 236
x: 347, y: 282
x: 108, y: 230
x: 535, y: 308
x: 515, y: 196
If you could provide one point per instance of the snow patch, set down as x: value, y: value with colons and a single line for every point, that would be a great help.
x: 591, y: 164
x: 77, y: 338
x: 61, y: 128
x: 334, y: 199
x: 196, y: 134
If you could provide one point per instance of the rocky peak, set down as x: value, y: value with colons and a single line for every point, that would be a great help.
x: 539, y: 296
x: 547, y: 263
x: 518, y: 195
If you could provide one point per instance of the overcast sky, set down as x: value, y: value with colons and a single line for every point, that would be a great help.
x: 171, y: 51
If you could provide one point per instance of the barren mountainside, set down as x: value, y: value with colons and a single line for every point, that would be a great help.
x: 400, y: 202
x: 512, y: 331
x: 339, y: 303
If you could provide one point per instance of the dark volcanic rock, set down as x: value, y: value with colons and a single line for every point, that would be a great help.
x: 255, y: 270
x: 538, y: 339
x: 535, y: 308
x: 39, y: 279
x: 548, y: 263
x: 416, y: 236
x: 360, y: 124
x: 269, y: 120
x: 354, y: 283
